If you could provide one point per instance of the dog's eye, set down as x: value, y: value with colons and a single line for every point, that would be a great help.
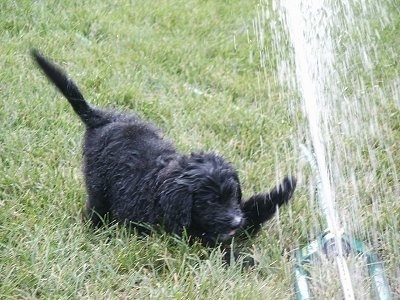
x: 228, y: 197
x: 212, y: 200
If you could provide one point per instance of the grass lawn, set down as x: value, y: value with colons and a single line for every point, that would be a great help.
x: 192, y: 67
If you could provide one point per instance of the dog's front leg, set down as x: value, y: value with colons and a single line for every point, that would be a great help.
x: 261, y: 207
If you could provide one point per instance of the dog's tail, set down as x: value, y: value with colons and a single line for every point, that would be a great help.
x: 89, y: 115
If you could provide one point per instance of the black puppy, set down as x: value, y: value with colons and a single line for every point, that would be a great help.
x: 133, y: 175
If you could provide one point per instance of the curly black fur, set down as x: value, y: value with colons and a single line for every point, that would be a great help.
x: 133, y: 175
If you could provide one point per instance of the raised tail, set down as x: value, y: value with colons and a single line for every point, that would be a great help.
x: 90, y: 116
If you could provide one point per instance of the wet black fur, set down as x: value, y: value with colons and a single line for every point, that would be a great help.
x: 133, y: 175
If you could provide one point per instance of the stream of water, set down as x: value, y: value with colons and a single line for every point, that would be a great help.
x: 328, y: 58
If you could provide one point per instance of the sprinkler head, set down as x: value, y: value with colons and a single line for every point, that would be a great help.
x: 329, y: 246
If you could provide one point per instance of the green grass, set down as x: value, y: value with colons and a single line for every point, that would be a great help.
x: 193, y: 68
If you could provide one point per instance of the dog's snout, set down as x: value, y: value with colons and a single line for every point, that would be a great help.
x: 236, y: 222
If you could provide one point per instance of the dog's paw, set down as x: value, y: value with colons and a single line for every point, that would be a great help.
x: 288, y: 186
x: 284, y: 191
x: 261, y: 207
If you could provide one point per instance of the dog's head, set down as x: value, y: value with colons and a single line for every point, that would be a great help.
x: 205, y: 198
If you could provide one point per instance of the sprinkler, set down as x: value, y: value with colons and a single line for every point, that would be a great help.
x: 337, y: 246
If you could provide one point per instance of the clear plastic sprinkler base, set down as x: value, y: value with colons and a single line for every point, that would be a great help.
x: 326, y: 244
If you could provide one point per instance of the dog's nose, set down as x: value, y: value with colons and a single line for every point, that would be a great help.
x: 236, y: 222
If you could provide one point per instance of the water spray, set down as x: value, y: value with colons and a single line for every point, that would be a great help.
x: 310, y: 29
x: 337, y: 245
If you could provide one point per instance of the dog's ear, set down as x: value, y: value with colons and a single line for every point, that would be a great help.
x: 176, y: 205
